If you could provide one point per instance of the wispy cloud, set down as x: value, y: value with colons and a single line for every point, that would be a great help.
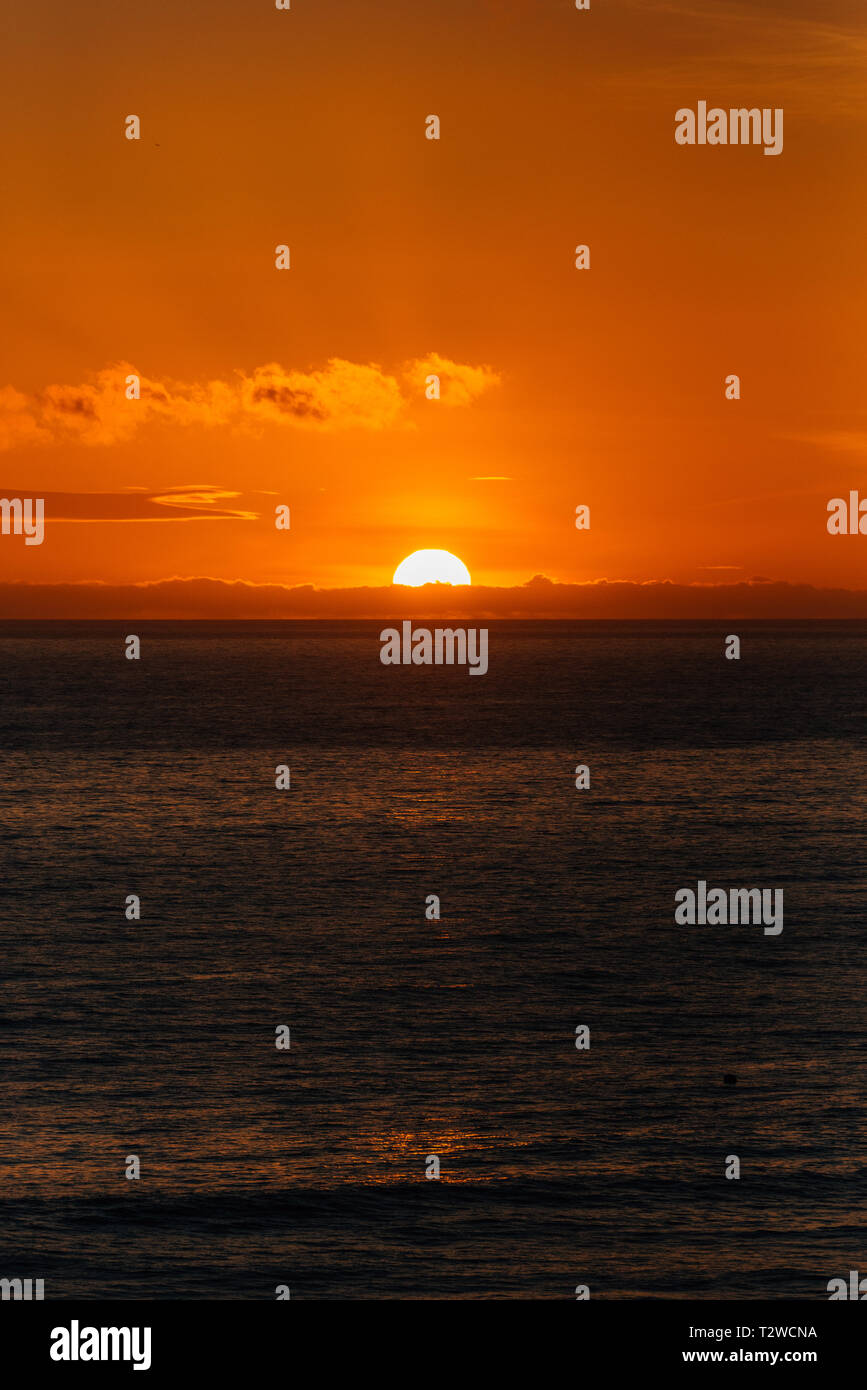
x: 840, y: 441
x: 815, y: 52
x: 191, y: 502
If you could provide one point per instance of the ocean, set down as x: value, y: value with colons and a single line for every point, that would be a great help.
x: 410, y: 1037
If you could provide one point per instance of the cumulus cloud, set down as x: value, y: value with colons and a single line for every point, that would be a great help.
x: 460, y: 384
x: 18, y: 423
x: 339, y: 396
x: 343, y: 395
x: 98, y: 412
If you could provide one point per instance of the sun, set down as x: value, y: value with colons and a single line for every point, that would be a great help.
x: 431, y: 567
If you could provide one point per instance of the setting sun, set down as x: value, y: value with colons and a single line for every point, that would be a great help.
x: 431, y: 567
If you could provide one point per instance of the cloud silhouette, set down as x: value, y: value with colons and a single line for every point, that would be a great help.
x: 219, y: 599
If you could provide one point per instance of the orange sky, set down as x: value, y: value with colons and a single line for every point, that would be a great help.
x: 306, y: 386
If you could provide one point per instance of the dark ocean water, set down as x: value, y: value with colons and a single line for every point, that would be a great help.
x: 413, y: 1037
